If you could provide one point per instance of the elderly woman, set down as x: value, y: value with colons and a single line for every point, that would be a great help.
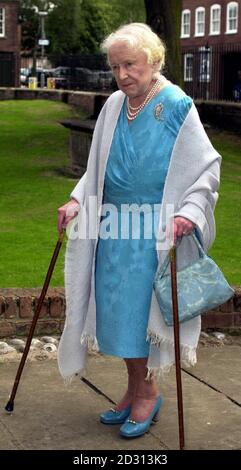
x: 149, y: 151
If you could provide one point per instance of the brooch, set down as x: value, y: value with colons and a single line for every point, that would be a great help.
x: 157, y: 111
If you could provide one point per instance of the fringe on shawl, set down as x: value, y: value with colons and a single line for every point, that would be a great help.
x: 69, y: 379
x: 90, y: 341
x: 188, y: 356
x: 187, y: 353
x: 92, y: 344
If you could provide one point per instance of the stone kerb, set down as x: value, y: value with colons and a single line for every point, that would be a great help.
x: 17, y: 308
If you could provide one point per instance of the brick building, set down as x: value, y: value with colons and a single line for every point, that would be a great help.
x: 9, y: 43
x: 211, y: 48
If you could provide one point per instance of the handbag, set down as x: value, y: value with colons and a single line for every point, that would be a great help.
x: 200, y: 287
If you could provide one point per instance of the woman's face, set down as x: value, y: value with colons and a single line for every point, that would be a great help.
x: 131, y: 70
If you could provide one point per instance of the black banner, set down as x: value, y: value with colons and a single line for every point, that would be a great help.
x: 106, y: 459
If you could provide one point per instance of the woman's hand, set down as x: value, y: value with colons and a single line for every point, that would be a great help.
x: 182, y: 226
x: 66, y: 213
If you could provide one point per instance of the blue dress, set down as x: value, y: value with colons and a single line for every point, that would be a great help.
x: 126, y: 258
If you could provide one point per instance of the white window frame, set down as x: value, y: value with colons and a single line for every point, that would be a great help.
x: 2, y: 22
x: 188, y: 24
x: 231, y: 5
x: 205, y: 54
x: 197, y: 11
x: 215, y: 7
x: 188, y: 77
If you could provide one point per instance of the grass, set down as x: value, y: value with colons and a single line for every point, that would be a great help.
x: 33, y: 147
x: 226, y: 249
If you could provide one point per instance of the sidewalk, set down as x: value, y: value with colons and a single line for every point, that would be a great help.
x: 49, y: 415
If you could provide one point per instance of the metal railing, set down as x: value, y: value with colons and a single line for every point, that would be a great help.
x: 74, y: 72
x: 213, y: 72
x: 210, y: 72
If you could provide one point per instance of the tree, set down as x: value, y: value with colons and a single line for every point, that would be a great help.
x: 164, y: 17
x: 101, y: 17
x: 63, y: 27
x: 30, y: 26
x: 93, y: 27
x: 62, y: 24
x: 77, y: 25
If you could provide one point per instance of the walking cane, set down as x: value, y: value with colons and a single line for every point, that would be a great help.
x: 172, y: 255
x: 10, y: 405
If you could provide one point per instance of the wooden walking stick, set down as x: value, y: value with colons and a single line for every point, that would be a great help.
x: 172, y: 255
x: 10, y: 405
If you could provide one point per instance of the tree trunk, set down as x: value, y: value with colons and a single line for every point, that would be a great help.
x: 164, y: 17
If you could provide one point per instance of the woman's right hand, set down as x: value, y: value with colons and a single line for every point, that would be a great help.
x: 66, y: 213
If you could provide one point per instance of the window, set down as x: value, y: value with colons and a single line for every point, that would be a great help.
x: 200, y: 21
x: 2, y: 22
x: 186, y: 24
x: 205, y: 64
x: 215, y: 19
x: 232, y: 18
x: 188, y: 67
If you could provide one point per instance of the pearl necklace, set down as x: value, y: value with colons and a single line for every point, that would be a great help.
x: 132, y: 112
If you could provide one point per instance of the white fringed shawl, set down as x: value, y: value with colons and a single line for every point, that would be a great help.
x: 191, y: 187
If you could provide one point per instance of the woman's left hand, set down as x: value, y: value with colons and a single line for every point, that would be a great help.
x: 182, y: 226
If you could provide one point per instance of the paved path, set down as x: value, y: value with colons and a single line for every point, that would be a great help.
x: 49, y: 415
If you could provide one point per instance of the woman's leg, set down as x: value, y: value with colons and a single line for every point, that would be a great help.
x: 128, y: 398
x: 141, y: 393
x: 146, y: 391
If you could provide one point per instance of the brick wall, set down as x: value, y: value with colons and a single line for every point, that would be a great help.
x: 222, y: 38
x: 17, y: 308
x: 11, y: 42
x: 224, y: 114
x: 83, y: 99
x: 221, y: 114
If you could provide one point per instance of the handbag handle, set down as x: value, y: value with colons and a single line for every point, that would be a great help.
x: 167, y: 259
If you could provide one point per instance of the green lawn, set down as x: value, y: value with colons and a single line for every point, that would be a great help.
x: 227, y: 247
x: 33, y: 147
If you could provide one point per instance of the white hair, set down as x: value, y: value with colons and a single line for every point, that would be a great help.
x: 140, y: 37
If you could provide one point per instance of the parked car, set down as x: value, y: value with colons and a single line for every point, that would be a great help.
x: 82, y: 78
x: 86, y: 79
x: 62, y: 77
x: 105, y: 80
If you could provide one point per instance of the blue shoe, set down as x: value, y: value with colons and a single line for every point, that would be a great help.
x: 133, y: 429
x: 113, y: 416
